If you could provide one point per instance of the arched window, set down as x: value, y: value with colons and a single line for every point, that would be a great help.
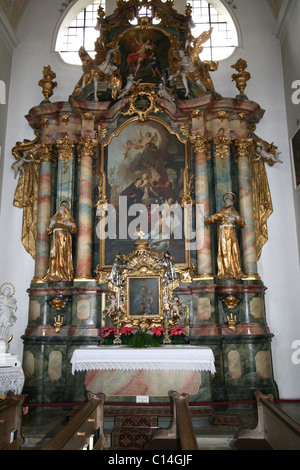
x: 78, y: 29
x: 224, y: 38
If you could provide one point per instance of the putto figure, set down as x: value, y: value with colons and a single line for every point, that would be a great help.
x: 229, y: 259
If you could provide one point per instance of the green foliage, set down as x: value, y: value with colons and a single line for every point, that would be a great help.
x: 141, y: 339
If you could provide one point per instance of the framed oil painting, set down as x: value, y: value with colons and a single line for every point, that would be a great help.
x: 144, y: 165
x: 144, y: 53
x: 143, y: 296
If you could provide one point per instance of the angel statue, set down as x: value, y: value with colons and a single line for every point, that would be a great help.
x: 102, y: 68
x: 190, y: 67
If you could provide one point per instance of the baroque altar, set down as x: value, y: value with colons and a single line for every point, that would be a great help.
x: 145, y: 152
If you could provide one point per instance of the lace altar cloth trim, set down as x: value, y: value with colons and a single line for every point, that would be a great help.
x: 191, y: 358
x: 11, y: 379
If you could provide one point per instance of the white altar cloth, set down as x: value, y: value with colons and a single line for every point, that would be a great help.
x: 11, y: 379
x: 191, y: 358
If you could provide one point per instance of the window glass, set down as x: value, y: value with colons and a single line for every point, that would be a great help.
x: 224, y: 38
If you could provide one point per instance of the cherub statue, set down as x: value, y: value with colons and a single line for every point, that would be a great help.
x: 262, y: 153
x: 112, y: 303
x: 163, y: 93
x: 190, y: 67
x: 129, y: 85
x: 175, y: 305
x: 102, y: 68
x: 19, y: 165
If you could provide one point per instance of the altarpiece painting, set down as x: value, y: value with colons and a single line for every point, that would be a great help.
x: 145, y: 163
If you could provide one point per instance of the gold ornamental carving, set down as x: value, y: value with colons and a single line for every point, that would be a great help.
x: 231, y: 302
x: 47, y: 82
x: 101, y: 132
x: 141, y: 288
x: 58, y: 303
x: 222, y: 146
x: 66, y: 150
x: 27, y: 168
x: 201, y: 144
x: 87, y: 147
x: 241, y: 77
x: 243, y: 148
x: 142, y: 102
x: 48, y: 153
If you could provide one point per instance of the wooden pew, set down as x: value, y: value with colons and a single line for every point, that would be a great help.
x: 275, y: 429
x: 76, y: 434
x: 11, y: 422
x: 181, y: 436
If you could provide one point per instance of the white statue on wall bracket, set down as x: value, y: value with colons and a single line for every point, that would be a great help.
x: 8, y: 307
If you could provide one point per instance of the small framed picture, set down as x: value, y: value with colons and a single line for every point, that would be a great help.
x: 144, y: 296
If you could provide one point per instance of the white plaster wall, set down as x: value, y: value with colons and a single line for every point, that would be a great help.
x: 278, y: 267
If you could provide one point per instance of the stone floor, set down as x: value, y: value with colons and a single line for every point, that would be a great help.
x: 45, y: 422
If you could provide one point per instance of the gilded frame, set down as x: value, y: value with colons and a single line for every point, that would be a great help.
x: 104, y: 267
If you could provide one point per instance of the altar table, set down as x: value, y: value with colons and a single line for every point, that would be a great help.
x: 122, y: 371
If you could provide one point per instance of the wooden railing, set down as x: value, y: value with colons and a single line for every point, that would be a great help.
x: 85, y: 430
x: 181, y: 435
x: 275, y: 429
x: 10, y: 422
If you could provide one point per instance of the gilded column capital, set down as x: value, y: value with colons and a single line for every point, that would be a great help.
x: 222, y: 146
x: 48, y: 153
x: 200, y: 143
x: 66, y: 149
x: 87, y: 147
x: 243, y: 147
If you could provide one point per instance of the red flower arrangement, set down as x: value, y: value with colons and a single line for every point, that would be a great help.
x: 126, y: 332
x: 108, y: 333
x: 158, y: 331
x: 177, y: 334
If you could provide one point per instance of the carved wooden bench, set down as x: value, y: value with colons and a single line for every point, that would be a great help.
x: 181, y: 436
x: 275, y: 429
x: 11, y: 422
x: 85, y: 430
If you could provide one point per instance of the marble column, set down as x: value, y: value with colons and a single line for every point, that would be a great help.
x: 65, y: 171
x: 202, y: 150
x: 87, y: 148
x: 44, y: 212
x: 222, y: 166
x: 243, y: 153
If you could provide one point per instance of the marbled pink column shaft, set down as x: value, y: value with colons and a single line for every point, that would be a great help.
x: 85, y: 216
x: 246, y: 212
x: 43, y: 217
x: 204, y: 265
